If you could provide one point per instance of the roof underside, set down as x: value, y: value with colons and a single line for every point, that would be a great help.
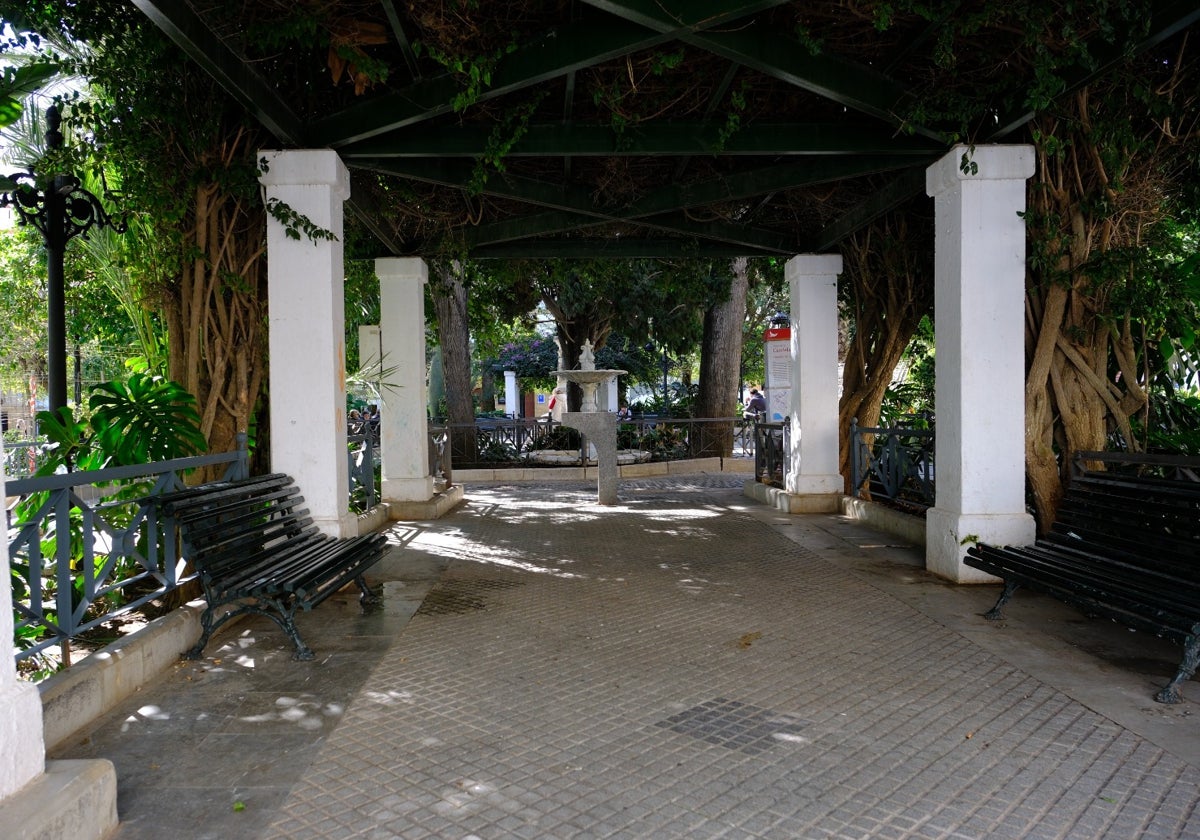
x: 616, y: 127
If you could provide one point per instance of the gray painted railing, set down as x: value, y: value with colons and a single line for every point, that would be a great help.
x: 23, y: 457
x: 360, y: 458
x: 118, y: 553
x: 895, y: 463
x: 490, y: 441
x: 772, y: 441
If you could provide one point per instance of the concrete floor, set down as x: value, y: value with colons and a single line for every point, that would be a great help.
x: 687, y: 663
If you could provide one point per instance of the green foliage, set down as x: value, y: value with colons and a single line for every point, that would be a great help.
x: 559, y: 437
x: 144, y: 420
x: 534, y: 359
x: 1055, y: 42
x: 17, y: 82
x: 474, y: 72
x: 664, y: 442
x: 505, y: 134
x: 295, y: 225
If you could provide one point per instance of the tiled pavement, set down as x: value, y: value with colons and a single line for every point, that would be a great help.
x: 686, y: 664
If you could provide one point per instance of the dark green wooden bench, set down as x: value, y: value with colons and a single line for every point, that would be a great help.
x: 1123, y: 546
x: 253, y: 545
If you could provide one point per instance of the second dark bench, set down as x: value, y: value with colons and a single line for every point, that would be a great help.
x: 252, y: 543
x: 1123, y: 546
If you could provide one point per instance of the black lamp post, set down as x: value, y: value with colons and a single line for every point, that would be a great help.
x: 61, y: 212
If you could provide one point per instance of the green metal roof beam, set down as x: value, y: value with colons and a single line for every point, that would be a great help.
x: 179, y: 23
x: 1167, y: 19
x: 529, y: 227
x: 735, y: 187
x: 574, y: 206
x: 848, y: 83
x: 406, y: 50
x: 572, y: 47
x: 573, y: 140
x: 617, y: 247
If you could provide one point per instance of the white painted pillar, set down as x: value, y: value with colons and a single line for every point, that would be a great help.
x: 22, y: 750
x: 404, y: 426
x: 40, y: 798
x: 813, y: 460
x: 370, y: 348
x: 610, y: 394
x: 305, y: 280
x: 512, y: 397
x: 979, y: 300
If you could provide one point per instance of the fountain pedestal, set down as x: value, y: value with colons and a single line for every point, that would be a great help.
x: 600, y: 429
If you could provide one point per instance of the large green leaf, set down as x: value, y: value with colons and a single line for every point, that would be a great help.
x: 145, y: 419
x: 67, y: 438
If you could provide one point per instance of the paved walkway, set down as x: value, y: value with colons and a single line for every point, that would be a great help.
x: 687, y: 664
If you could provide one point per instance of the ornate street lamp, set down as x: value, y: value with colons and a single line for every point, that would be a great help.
x: 61, y: 212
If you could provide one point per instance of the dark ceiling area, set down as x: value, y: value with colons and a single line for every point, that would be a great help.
x: 495, y: 128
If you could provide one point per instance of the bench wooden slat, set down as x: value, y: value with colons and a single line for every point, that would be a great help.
x: 1122, y: 546
x: 254, y: 544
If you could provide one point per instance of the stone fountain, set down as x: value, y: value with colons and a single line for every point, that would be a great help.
x: 599, y: 427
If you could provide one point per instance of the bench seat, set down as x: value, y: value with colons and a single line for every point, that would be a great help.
x: 252, y: 543
x: 1125, y: 547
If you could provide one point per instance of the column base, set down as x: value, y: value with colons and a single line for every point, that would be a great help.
x: 435, y: 507
x: 949, y: 534
x: 24, y: 755
x: 792, y: 502
x: 400, y: 490
x: 814, y: 485
x: 76, y: 799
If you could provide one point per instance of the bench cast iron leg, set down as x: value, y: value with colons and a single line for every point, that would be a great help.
x: 367, y: 597
x: 206, y: 625
x: 1171, y: 693
x: 994, y: 613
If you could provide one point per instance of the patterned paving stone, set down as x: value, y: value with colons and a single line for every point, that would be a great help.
x: 619, y: 671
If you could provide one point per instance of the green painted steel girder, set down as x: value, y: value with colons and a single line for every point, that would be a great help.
x: 569, y: 48
x: 671, y: 139
x: 573, y: 209
x: 179, y: 23
x: 617, y: 247
x: 848, y: 83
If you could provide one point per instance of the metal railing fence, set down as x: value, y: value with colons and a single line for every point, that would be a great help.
x: 772, y: 442
x: 892, y: 463
x: 88, y: 546
x: 488, y: 442
x: 361, y: 460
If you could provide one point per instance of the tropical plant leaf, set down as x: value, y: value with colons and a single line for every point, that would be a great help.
x: 145, y: 419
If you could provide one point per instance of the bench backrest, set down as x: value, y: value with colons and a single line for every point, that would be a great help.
x: 1152, y: 522
x: 227, y: 526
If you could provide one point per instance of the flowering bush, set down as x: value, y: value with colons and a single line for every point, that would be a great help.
x: 534, y: 359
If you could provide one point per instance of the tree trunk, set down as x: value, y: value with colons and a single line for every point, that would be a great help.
x: 1083, y: 379
x: 890, y: 289
x: 720, y: 360
x: 454, y: 337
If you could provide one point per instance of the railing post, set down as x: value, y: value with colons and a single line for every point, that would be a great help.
x: 855, y: 458
x: 241, y: 468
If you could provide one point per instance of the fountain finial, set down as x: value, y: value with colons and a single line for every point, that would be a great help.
x: 587, y: 359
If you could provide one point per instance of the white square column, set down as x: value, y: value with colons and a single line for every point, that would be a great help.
x: 22, y: 750
x: 512, y: 395
x: 305, y: 281
x: 979, y: 301
x: 813, y: 481
x: 40, y: 798
x: 404, y: 425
